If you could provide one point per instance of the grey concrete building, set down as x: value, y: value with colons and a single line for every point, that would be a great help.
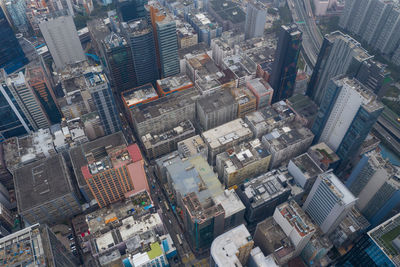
x: 256, y: 17
x: 215, y: 109
x: 62, y: 39
x: 44, y: 191
x: 165, y: 113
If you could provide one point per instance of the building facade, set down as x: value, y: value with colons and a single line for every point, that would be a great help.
x: 256, y: 17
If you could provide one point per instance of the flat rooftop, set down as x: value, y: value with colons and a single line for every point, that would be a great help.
x: 139, y: 95
x: 385, y: 237
x: 264, y: 188
x: 296, y: 217
x: 191, y: 146
x: 226, y: 133
x: 338, y: 188
x: 303, y: 105
x: 164, y: 104
x: 216, y: 101
x: 307, y: 165
x: 260, y: 86
x: 286, y: 136
x: 114, y: 40
x: 41, y: 182
x: 78, y: 153
x: 203, y: 21
x: 173, y: 83
x: 137, y: 27
x: 360, y: 53
x: 230, y: 201
x: 194, y: 175
x: 183, y: 128
x: 228, y: 10
x: 323, y: 153
x: 226, y: 247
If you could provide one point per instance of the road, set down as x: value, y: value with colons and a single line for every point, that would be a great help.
x: 173, y: 225
x: 312, y: 38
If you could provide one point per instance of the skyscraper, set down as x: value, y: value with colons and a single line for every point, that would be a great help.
x: 119, y: 60
x: 13, y: 121
x: 140, y: 37
x: 103, y: 99
x: 346, y: 115
x: 284, y: 70
x: 62, y: 39
x: 329, y: 202
x: 40, y: 85
x: 376, y: 184
x: 339, y: 54
x: 11, y: 55
x: 17, y: 11
x: 376, y: 248
x: 164, y: 29
x: 256, y: 17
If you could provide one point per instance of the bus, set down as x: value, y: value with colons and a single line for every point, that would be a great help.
x: 166, y: 205
x: 179, y: 239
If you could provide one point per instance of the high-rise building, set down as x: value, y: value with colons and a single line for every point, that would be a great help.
x: 103, y: 99
x: 27, y: 100
x: 339, y: 54
x: 11, y: 55
x: 140, y: 37
x: 379, y: 247
x: 119, y: 60
x: 164, y: 30
x: 374, y: 76
x: 17, y: 12
x: 131, y: 9
x: 347, y: 113
x: 14, y: 121
x: 113, y: 172
x: 256, y: 17
x: 39, y: 83
x: 284, y: 69
x: 376, y: 183
x: 35, y: 245
x: 329, y: 202
x: 62, y: 39
x: 44, y: 191
x: 231, y: 248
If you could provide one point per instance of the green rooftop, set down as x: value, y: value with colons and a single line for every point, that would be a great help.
x: 155, y: 251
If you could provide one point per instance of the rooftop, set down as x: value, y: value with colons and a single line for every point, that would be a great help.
x: 360, y: 53
x: 307, y: 166
x: 385, y: 236
x: 288, y: 135
x: 183, y: 128
x: 192, y: 146
x: 228, y: 10
x: 264, y: 188
x: 323, y: 154
x: 226, y: 247
x: 303, y: 105
x: 41, y: 182
x: 203, y: 21
x: 194, y: 175
x: 296, y: 217
x: 216, y: 101
x: 230, y: 201
x: 196, y: 49
x: 137, y: 27
x: 139, y: 95
x: 164, y: 104
x: 78, y: 153
x: 226, y: 133
x: 242, y: 155
x: 173, y: 83
x: 114, y: 40
x: 338, y: 188
x: 241, y: 66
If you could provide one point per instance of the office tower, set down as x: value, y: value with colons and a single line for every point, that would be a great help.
x: 329, y: 202
x: 231, y: 248
x: 131, y: 9
x: 379, y: 247
x: 374, y: 76
x: 17, y: 11
x: 103, y: 99
x: 113, y: 172
x: 119, y: 60
x: 35, y: 245
x: 389, y: 33
x: 164, y: 30
x: 140, y: 37
x: 14, y: 120
x: 347, y: 113
x: 284, y: 69
x: 256, y: 17
x: 11, y: 55
x: 376, y: 184
x: 62, y: 39
x: 26, y: 98
x: 396, y: 56
x: 339, y: 54
x: 37, y: 79
x: 44, y: 191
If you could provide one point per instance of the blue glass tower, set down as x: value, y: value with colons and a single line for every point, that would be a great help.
x: 11, y: 55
